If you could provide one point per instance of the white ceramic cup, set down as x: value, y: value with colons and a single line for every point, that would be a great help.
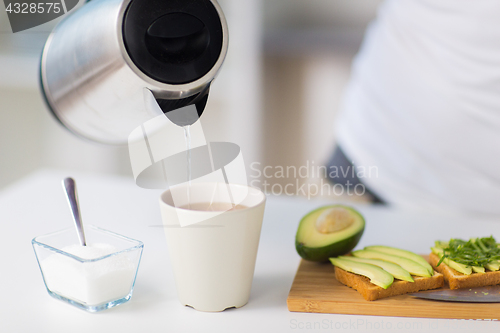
x: 213, y: 260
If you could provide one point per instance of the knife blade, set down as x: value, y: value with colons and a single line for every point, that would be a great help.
x: 489, y: 294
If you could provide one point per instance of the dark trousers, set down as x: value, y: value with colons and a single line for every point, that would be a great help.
x: 347, y: 179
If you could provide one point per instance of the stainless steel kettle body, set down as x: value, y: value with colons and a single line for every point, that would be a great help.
x: 99, y: 62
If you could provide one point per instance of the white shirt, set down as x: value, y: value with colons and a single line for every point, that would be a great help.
x: 423, y: 105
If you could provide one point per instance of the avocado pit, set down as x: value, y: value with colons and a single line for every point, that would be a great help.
x: 334, y: 219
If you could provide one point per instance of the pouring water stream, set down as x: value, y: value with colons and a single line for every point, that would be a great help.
x: 187, y: 135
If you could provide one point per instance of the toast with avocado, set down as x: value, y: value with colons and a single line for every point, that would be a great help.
x: 381, y: 271
x: 467, y: 264
x: 372, y: 292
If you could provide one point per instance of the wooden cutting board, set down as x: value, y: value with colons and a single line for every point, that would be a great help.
x: 315, y: 289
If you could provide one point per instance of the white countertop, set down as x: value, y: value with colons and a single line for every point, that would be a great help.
x: 36, y: 206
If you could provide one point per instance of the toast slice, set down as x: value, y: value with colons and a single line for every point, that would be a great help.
x: 457, y: 280
x: 372, y: 292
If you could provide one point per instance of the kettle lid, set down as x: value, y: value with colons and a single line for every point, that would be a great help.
x: 173, y: 41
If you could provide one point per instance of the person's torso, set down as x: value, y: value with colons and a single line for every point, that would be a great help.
x: 423, y: 104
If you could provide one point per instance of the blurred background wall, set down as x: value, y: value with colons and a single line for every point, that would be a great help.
x: 277, y: 94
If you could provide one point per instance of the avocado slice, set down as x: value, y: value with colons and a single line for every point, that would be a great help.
x: 410, y: 265
x: 464, y: 269
x: 376, y: 274
x: 441, y: 244
x: 478, y: 269
x: 329, y: 231
x: 402, y: 253
x: 493, y: 266
x: 397, y: 271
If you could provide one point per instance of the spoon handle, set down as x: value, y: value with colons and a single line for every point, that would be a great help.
x: 69, y: 186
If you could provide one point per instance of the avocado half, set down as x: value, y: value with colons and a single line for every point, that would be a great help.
x: 316, y: 246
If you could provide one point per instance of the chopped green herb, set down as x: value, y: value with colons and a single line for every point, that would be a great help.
x: 478, y: 252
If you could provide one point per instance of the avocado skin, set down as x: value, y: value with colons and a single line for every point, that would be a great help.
x: 321, y: 254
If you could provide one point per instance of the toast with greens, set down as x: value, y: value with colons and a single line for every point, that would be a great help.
x: 381, y: 271
x: 467, y: 264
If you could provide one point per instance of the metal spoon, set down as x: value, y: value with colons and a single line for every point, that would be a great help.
x: 69, y: 186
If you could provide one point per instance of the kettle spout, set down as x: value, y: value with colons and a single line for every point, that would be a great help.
x: 184, y: 111
x: 183, y: 116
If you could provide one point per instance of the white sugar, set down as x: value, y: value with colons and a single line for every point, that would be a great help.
x: 92, y: 251
x: 89, y: 282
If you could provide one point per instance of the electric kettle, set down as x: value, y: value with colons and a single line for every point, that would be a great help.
x: 100, y: 62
